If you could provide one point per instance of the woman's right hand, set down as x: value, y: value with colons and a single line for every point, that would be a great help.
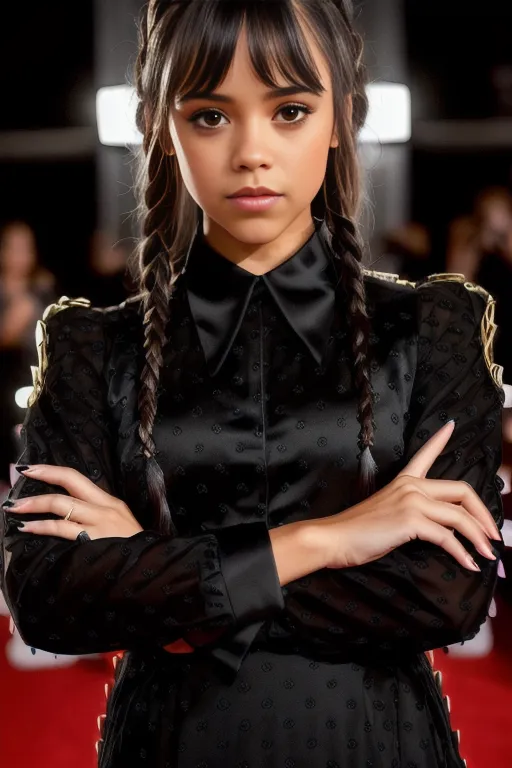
x: 411, y: 507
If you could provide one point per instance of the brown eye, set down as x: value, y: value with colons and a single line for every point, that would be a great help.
x: 206, y: 114
x: 290, y: 109
x: 296, y: 108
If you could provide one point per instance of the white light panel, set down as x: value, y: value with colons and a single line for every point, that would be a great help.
x: 389, y: 116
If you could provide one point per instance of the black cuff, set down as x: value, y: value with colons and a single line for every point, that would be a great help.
x: 249, y: 570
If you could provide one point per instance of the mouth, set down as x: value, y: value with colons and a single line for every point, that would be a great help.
x: 255, y: 202
x: 257, y: 192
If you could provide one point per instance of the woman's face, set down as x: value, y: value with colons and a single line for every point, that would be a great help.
x: 496, y: 216
x: 252, y: 140
x: 17, y: 251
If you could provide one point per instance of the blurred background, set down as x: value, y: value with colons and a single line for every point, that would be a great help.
x: 437, y: 150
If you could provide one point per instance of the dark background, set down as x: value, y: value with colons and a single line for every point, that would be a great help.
x: 460, y: 67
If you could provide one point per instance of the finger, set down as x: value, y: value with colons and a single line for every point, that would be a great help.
x: 460, y: 491
x: 423, y: 459
x: 59, y: 528
x: 72, y: 480
x: 428, y: 530
x: 57, y: 504
x: 453, y: 516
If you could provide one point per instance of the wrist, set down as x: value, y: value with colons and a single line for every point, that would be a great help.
x: 315, y: 541
x: 299, y: 549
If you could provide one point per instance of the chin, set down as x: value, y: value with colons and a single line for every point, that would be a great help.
x: 256, y: 229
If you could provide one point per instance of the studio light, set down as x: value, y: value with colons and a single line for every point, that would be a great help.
x: 115, y: 116
x: 21, y: 396
x: 389, y: 116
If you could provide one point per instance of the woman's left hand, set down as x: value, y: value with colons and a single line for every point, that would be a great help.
x: 94, y: 510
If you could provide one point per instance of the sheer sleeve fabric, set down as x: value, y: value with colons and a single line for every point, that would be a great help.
x: 418, y: 596
x: 115, y: 593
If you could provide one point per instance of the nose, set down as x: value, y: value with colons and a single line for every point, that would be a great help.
x: 251, y: 146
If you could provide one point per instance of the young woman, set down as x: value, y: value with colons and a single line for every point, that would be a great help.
x: 225, y: 475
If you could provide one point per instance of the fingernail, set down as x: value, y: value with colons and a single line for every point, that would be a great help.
x: 22, y: 467
x: 452, y: 421
x: 472, y: 564
x: 487, y: 552
x: 8, y: 503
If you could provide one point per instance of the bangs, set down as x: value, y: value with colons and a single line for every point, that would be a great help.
x: 205, y: 35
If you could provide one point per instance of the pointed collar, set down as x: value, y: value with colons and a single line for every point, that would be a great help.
x: 219, y: 292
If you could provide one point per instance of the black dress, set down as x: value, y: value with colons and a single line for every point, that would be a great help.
x: 257, y: 428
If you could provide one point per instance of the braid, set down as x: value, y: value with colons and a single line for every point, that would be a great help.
x: 152, y: 269
x: 341, y: 193
x: 155, y: 281
x: 344, y: 240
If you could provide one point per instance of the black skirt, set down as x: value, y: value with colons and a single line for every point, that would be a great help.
x: 281, y: 711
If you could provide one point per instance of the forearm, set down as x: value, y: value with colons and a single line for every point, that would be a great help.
x: 298, y: 550
x: 116, y: 593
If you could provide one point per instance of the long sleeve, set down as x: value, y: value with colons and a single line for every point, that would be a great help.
x: 418, y: 596
x: 114, y: 593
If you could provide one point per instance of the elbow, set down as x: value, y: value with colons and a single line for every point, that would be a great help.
x: 37, y: 627
x: 44, y: 630
x: 466, y: 615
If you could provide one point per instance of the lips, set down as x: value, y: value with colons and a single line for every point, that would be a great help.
x: 255, y: 192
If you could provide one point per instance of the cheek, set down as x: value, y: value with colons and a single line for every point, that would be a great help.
x: 306, y: 165
x: 202, y: 175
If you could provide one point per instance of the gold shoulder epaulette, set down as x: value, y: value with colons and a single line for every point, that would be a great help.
x: 38, y: 371
x: 391, y: 277
x: 488, y: 327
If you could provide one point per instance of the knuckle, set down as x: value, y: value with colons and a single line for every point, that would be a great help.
x: 467, y: 489
x: 409, y: 493
x: 446, y: 538
x: 405, y: 481
x: 122, y: 507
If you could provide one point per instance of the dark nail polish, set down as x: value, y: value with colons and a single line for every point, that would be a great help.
x: 18, y: 524
x: 22, y: 467
x: 8, y: 503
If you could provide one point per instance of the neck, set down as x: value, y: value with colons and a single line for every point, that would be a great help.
x: 258, y: 257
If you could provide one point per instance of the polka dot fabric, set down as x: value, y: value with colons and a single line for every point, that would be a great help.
x: 256, y: 428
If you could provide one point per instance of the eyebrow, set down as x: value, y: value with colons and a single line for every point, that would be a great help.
x: 274, y: 93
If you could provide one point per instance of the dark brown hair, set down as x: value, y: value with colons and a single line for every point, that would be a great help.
x: 187, y: 45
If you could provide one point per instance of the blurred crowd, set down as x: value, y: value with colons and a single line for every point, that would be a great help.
x: 477, y: 245
x: 26, y: 289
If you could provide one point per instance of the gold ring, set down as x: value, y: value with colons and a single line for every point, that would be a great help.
x: 68, y: 516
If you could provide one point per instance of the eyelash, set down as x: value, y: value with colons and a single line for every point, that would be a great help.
x: 195, y: 117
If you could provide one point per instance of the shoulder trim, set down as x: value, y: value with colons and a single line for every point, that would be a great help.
x: 38, y: 371
x: 390, y: 277
x: 488, y: 327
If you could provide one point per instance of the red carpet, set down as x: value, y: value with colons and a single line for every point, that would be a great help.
x: 48, y: 718
x: 480, y: 692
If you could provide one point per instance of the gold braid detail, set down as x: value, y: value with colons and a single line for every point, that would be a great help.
x: 38, y: 371
x: 488, y: 327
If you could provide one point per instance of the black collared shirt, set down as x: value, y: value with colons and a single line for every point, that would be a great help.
x: 302, y: 287
x: 256, y: 427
